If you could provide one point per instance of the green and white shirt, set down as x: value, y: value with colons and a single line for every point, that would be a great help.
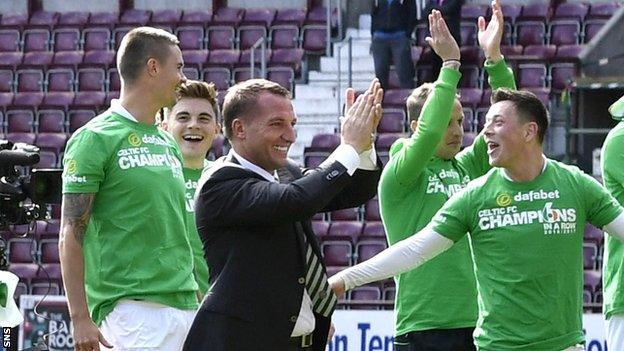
x: 413, y: 187
x: 136, y: 244
x: 612, y: 163
x: 527, y: 241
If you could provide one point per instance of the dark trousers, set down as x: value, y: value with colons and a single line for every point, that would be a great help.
x: 436, y: 340
x: 400, y: 50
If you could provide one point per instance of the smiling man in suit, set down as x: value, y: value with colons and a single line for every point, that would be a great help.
x: 253, y: 211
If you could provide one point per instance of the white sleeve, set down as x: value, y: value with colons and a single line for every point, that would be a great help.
x: 346, y: 155
x: 616, y: 227
x: 398, y: 258
x: 368, y: 159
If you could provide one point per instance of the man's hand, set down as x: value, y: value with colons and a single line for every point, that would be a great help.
x: 490, y: 36
x: 87, y: 337
x: 330, y: 334
x: 441, y: 40
x: 362, y: 117
x: 337, y: 285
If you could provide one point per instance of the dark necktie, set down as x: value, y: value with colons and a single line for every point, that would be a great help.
x: 323, y: 298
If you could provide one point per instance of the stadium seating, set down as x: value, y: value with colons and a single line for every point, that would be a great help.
x: 366, y: 249
x: 373, y: 229
x: 58, y: 71
x: 369, y: 293
x: 393, y: 121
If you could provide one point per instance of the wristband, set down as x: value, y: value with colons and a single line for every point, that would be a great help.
x: 454, y: 64
x: 489, y: 61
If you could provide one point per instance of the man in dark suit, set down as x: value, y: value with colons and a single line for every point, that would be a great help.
x: 270, y: 288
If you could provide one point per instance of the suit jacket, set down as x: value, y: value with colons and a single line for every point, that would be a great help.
x: 252, y: 231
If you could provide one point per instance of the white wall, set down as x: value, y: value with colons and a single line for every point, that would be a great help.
x: 73, y: 5
x: 13, y: 6
x: 167, y: 4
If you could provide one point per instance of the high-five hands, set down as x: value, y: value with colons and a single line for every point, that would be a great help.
x: 362, y: 117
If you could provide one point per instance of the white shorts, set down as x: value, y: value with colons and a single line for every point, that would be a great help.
x: 615, y: 332
x: 146, y: 326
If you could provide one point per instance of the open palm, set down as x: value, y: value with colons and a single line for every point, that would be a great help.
x: 490, y: 36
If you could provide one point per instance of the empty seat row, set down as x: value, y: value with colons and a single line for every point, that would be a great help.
x: 560, y: 32
x: 59, y: 80
x: 542, y: 10
x: 351, y: 231
x: 339, y: 252
x: 95, y: 100
x: 38, y: 278
x: 49, y: 142
x: 138, y: 17
x: 27, y: 250
x: 367, y: 212
x: 51, y: 120
x: 312, y: 38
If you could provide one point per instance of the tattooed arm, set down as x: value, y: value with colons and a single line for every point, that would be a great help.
x: 75, y: 215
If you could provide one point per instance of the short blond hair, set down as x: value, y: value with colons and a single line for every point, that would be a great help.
x: 417, y: 99
x: 138, y: 46
x: 243, y: 97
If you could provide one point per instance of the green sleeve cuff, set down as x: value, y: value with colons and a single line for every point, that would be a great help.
x: 449, y: 76
x: 499, y: 66
x: 501, y: 76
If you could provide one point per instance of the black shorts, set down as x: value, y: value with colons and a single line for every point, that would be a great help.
x: 459, y: 339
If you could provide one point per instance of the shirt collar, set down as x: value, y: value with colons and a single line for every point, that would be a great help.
x: 252, y: 167
x: 543, y: 169
x: 120, y: 110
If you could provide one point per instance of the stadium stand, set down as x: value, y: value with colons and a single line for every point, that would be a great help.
x: 57, y: 71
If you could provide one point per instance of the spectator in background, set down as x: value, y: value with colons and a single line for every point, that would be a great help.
x: 392, y: 24
x: 451, y: 12
x: 194, y: 122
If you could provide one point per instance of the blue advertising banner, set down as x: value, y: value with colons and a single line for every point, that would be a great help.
x: 374, y: 331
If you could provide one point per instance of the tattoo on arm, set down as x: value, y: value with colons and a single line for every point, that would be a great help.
x: 76, y: 212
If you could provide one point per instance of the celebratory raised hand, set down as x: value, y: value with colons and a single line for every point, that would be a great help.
x: 362, y: 117
x: 441, y: 40
x: 490, y: 35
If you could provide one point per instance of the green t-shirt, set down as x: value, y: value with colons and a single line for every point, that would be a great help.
x: 191, y: 176
x: 527, y: 243
x: 135, y: 245
x: 413, y: 187
x: 612, y: 163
